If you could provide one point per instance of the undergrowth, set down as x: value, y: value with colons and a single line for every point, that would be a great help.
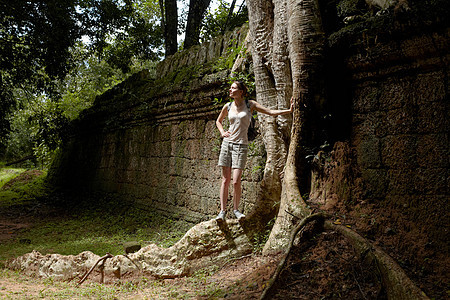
x: 6, y: 174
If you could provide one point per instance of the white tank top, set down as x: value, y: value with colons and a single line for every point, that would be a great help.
x: 239, y: 123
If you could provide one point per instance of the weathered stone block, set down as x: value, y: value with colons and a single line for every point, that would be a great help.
x: 395, y: 94
x: 401, y: 181
x: 429, y: 87
x: 433, y: 117
x: 366, y: 98
x: 433, y: 150
x: 368, y: 152
x: 377, y: 183
x: 399, y: 151
x: 401, y: 121
x: 370, y: 124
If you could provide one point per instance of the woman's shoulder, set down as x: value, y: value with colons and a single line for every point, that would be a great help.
x: 252, y: 103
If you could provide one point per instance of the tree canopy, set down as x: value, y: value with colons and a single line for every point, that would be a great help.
x: 69, y: 51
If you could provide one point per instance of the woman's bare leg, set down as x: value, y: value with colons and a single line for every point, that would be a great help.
x: 226, y: 179
x: 237, y: 188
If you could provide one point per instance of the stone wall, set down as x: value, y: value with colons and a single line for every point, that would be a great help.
x: 394, y: 162
x: 154, y: 140
x: 400, y: 121
x: 401, y: 132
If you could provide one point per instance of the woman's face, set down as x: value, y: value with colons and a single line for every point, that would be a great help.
x: 235, y: 91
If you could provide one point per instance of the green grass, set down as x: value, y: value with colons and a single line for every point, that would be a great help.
x: 96, y: 232
x: 101, y: 224
x: 29, y: 187
x: 69, y: 227
x: 6, y: 174
x: 32, y: 288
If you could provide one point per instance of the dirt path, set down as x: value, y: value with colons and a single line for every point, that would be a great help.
x: 9, y: 228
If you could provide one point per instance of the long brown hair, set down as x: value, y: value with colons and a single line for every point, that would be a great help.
x: 242, y: 87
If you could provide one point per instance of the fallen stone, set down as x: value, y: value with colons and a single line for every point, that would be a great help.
x: 208, y: 243
x: 131, y: 247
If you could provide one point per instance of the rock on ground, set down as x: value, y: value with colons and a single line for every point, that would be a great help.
x: 207, y: 243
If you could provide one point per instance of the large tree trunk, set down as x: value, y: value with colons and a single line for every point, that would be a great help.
x: 196, y: 13
x: 286, y: 29
x: 273, y: 89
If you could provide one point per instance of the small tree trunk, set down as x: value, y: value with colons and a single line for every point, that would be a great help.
x: 169, y: 22
x: 230, y: 13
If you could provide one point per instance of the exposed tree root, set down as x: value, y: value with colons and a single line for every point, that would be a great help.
x: 270, y: 286
x: 101, y: 259
x: 397, y: 284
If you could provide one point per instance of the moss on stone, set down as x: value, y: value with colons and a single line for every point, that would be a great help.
x: 347, y: 8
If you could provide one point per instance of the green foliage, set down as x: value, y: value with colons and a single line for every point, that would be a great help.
x: 89, y: 78
x: 347, y: 8
x: 121, y: 28
x: 19, y: 193
x: 36, y: 129
x: 37, y: 38
x: 18, y: 142
x: 248, y: 79
x: 40, y: 124
x: 141, y: 39
x: 37, y: 35
x: 226, y: 61
x: 260, y: 238
x: 216, y: 22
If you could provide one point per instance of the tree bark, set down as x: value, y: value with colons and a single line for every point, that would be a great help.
x: 395, y: 281
x: 266, y: 294
x: 287, y: 52
x: 196, y: 13
x: 272, y: 90
x: 170, y: 25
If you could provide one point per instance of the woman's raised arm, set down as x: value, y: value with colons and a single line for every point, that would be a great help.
x: 271, y: 112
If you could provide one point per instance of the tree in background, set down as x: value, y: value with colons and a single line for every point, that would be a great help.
x: 197, y: 9
x: 37, y: 52
x: 169, y: 21
x: 68, y: 51
x: 36, y: 129
x: 122, y: 31
x: 35, y: 38
x: 224, y: 18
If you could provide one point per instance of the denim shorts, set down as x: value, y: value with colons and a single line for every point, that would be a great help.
x: 233, y: 155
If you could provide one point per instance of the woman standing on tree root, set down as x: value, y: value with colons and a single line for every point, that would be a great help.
x: 233, y: 152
